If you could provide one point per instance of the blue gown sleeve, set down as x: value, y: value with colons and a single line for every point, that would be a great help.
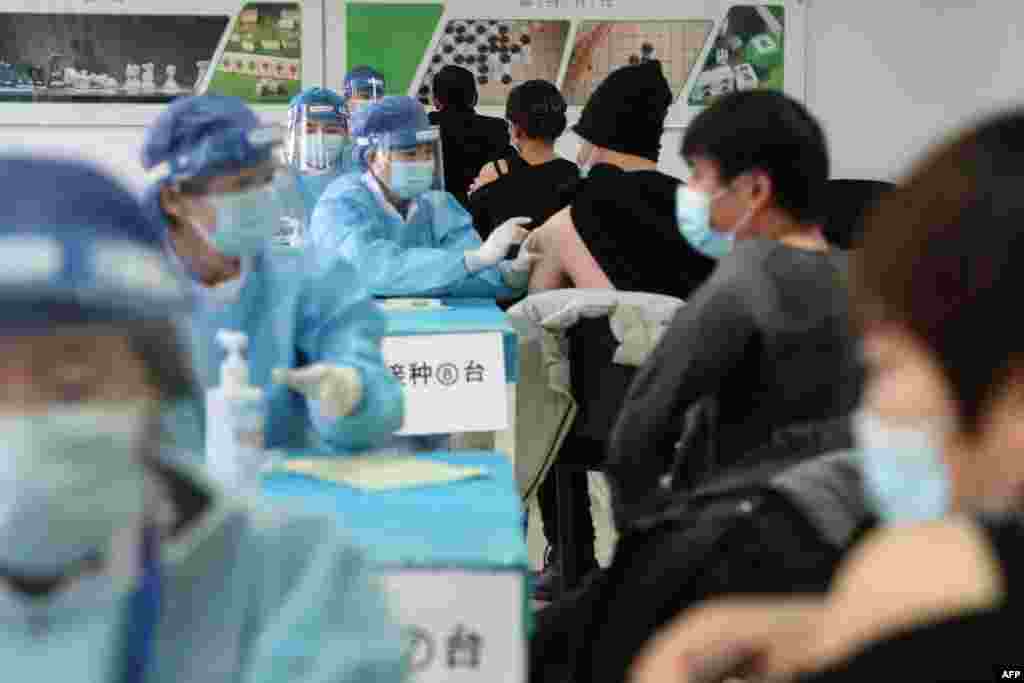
x: 342, y: 326
x: 319, y: 615
x: 347, y: 227
x: 453, y: 229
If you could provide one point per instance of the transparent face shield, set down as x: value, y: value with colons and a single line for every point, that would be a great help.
x: 254, y: 209
x: 364, y: 92
x: 409, y: 163
x: 318, y: 140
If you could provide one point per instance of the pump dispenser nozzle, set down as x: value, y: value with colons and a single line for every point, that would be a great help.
x: 234, y: 372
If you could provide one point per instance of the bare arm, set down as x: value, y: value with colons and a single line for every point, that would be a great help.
x: 565, y: 259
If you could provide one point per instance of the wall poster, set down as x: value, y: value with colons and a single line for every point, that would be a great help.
x: 747, y: 54
x: 262, y: 62
x: 500, y: 53
x: 706, y: 47
x: 104, y: 58
x: 603, y: 46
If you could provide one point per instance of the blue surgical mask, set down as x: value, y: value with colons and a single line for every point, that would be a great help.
x: 411, y: 178
x: 904, y: 476
x: 245, y: 221
x: 70, y: 477
x: 693, y: 217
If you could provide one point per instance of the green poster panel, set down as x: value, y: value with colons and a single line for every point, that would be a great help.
x: 262, y: 63
x: 391, y: 38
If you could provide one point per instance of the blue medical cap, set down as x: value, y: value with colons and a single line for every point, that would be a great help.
x: 391, y: 123
x: 206, y: 135
x: 363, y: 78
x: 77, y: 248
x: 314, y: 99
x: 398, y: 116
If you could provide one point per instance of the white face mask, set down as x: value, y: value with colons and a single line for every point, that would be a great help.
x: 70, y: 477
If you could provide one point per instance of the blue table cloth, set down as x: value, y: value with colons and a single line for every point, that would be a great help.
x: 473, y: 524
x: 461, y: 316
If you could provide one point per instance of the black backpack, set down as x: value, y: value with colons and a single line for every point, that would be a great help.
x: 779, y: 525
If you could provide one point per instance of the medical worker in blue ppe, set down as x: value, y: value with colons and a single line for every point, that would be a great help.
x: 318, y: 148
x: 363, y: 85
x: 119, y: 563
x: 405, y: 234
x: 314, y: 342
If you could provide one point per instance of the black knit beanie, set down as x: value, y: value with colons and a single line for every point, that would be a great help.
x: 626, y: 113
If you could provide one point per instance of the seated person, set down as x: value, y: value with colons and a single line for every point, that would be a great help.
x: 534, y: 182
x: 620, y: 231
x: 468, y: 139
x: 314, y: 343
x: 406, y: 236
x: 932, y: 591
x: 363, y: 85
x: 117, y: 561
x: 318, y: 147
x: 781, y: 525
x: 767, y: 336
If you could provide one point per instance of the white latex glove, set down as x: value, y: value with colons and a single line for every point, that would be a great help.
x: 516, y: 273
x: 493, y: 251
x: 339, y: 390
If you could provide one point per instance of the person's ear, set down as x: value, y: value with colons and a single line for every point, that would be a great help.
x: 759, y: 191
x: 174, y: 205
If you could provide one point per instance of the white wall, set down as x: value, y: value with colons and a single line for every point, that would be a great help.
x: 887, y: 77
x: 884, y: 77
x: 115, y: 148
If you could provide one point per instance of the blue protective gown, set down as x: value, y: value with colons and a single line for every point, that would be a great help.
x: 249, y: 595
x: 294, y: 319
x: 312, y: 188
x: 421, y: 255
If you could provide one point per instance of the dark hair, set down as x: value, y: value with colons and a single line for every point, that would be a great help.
x: 765, y: 130
x: 538, y: 109
x: 943, y: 256
x: 455, y: 87
x: 158, y: 343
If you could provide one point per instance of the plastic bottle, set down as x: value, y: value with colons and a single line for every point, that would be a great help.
x: 235, y: 419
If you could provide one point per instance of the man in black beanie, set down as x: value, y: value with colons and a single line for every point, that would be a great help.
x: 620, y: 231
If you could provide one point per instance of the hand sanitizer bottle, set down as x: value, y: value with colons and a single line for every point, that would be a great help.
x: 235, y: 419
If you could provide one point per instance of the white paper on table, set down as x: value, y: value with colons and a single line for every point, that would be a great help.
x: 380, y: 472
x: 411, y: 304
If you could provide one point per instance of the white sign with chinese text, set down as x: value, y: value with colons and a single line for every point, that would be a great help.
x: 451, y: 382
x: 460, y: 626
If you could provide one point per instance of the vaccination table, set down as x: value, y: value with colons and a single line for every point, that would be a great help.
x: 458, y: 361
x: 452, y: 557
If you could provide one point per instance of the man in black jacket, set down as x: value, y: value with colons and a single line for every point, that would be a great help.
x: 779, y: 521
x: 468, y: 139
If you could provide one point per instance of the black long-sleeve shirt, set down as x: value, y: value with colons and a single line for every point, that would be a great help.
x: 767, y: 335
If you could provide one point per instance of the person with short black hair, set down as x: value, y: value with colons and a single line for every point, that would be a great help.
x: 766, y: 339
x: 534, y: 182
x: 941, y: 448
x: 468, y: 140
